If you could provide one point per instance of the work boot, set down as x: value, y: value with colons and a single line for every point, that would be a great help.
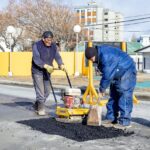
x: 122, y: 127
x: 108, y: 123
x: 39, y: 108
x: 35, y: 106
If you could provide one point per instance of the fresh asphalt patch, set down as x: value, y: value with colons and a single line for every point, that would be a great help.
x: 77, y: 132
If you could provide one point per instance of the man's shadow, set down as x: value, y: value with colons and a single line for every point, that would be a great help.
x: 26, y: 103
x: 19, y: 102
x: 141, y: 121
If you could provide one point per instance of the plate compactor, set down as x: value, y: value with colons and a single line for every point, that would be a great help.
x: 72, y: 110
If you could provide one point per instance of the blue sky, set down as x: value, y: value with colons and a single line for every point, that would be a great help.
x: 126, y: 7
x: 3, y: 4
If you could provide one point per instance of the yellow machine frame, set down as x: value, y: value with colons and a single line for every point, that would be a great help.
x: 63, y: 112
x: 67, y: 112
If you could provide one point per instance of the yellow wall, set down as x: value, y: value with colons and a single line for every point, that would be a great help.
x: 4, y: 63
x: 21, y: 63
x: 69, y: 61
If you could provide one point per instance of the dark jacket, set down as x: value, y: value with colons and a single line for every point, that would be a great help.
x: 44, y: 55
x: 113, y: 63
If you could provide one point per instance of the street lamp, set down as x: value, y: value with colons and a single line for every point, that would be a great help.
x: 77, y: 30
x: 10, y: 31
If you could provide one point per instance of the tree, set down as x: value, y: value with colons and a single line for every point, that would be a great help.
x: 33, y: 17
x: 40, y: 15
x: 8, y: 18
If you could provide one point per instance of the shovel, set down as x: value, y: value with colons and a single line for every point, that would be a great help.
x: 95, y: 116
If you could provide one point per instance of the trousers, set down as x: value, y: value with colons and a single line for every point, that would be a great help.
x: 42, y: 87
x: 120, y: 104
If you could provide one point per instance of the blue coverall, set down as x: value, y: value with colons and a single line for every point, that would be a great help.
x: 119, y: 72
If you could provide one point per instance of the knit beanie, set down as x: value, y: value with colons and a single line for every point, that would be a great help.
x: 47, y: 34
x: 90, y: 52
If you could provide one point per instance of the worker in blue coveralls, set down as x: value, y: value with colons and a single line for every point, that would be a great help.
x: 119, y: 73
x: 44, y: 52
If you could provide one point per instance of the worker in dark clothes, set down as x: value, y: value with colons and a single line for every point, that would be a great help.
x: 44, y: 52
x: 119, y: 73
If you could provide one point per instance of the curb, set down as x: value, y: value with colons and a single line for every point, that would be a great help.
x: 27, y: 84
x: 18, y: 83
x: 139, y: 94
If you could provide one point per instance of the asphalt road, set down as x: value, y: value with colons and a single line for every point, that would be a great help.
x: 21, y: 128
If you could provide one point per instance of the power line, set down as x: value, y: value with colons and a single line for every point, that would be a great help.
x: 137, y: 15
x: 148, y: 14
x: 131, y: 23
x: 125, y: 17
x: 123, y: 25
x: 122, y: 30
x: 116, y: 22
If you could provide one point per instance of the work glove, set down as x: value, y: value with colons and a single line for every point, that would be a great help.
x: 49, y: 68
x: 62, y: 67
x: 101, y: 95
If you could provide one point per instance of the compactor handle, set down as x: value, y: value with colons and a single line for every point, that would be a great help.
x: 66, y: 76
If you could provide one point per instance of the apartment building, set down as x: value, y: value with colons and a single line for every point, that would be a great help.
x: 112, y: 26
x: 100, y: 24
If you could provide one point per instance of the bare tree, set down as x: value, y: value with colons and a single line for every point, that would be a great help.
x: 34, y: 17
x: 9, y: 18
x: 40, y: 15
x: 5, y: 18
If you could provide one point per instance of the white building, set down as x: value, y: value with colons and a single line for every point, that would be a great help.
x: 145, y: 40
x: 132, y: 47
x: 138, y: 59
x: 145, y: 51
x: 113, y: 26
x: 101, y: 24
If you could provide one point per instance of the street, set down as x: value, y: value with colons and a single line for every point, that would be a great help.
x: 22, y: 129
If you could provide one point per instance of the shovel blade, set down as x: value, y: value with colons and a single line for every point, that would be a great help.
x: 95, y: 116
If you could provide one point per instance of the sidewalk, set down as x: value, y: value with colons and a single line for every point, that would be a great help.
x: 80, y: 82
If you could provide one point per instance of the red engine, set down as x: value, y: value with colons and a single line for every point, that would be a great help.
x: 69, y: 101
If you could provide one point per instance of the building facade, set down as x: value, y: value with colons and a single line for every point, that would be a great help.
x: 100, y: 24
x: 145, y: 40
x: 145, y: 51
x: 132, y: 47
